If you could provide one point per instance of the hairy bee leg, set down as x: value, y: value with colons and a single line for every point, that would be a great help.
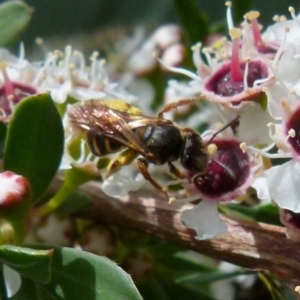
x: 125, y: 158
x: 176, y: 172
x: 174, y: 105
x: 143, y: 167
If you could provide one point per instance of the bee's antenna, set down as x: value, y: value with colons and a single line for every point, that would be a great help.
x: 222, y: 129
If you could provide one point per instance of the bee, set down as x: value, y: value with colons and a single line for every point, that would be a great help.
x: 114, y: 126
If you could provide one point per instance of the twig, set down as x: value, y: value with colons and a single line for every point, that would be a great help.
x: 256, y: 246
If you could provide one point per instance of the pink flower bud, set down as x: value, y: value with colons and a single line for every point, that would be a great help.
x: 13, y: 189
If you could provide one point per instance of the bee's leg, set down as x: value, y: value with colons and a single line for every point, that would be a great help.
x: 143, y: 167
x: 176, y: 171
x: 174, y: 105
x: 125, y: 158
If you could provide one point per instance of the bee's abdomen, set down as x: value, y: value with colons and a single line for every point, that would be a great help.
x: 101, y: 145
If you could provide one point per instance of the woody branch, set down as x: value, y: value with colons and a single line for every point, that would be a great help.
x: 256, y: 246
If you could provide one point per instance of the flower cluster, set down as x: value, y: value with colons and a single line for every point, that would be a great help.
x: 255, y: 76
x: 249, y: 83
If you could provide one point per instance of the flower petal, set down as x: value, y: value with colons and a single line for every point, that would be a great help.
x: 204, y: 219
x: 283, y: 183
x: 12, y: 281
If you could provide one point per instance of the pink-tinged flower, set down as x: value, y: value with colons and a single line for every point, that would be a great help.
x: 235, y: 72
x: 281, y: 182
x: 98, y: 240
x: 292, y: 132
x: 228, y: 175
x: 165, y: 42
x: 254, y: 40
x: 54, y: 229
x: 292, y: 222
x: 139, y: 265
x: 236, y: 80
x: 14, y: 189
x: 16, y: 75
x: 65, y: 74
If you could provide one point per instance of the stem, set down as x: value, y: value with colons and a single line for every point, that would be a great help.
x: 59, y: 198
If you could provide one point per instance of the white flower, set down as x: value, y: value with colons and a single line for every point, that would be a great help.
x: 204, y: 219
x: 121, y: 183
x: 13, y: 281
x: 283, y: 185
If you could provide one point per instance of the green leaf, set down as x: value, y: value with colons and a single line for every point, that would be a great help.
x: 3, y: 130
x: 14, y: 18
x: 193, y: 20
x: 31, y: 290
x: 76, y: 273
x: 33, y: 264
x: 263, y: 213
x: 34, y: 143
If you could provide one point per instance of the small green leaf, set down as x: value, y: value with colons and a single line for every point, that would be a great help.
x: 33, y: 264
x: 34, y: 143
x: 80, y: 273
x: 14, y: 18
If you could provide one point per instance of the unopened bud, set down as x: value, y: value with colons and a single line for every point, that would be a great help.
x: 13, y: 189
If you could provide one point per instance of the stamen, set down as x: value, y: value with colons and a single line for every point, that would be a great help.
x: 180, y: 71
x: 246, y: 72
x: 292, y: 12
x: 206, y: 51
x: 276, y: 18
x: 252, y: 17
x: 229, y: 15
x: 236, y: 73
x: 280, y: 50
x: 8, y: 85
x: 292, y: 133
x: 196, y: 55
x: 286, y: 107
x: 243, y: 147
x: 212, y: 149
x: 10, y: 99
x: 272, y: 130
x: 269, y: 155
x: 39, y: 41
x: 282, y: 18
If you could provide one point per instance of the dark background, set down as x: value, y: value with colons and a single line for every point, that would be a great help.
x: 62, y: 17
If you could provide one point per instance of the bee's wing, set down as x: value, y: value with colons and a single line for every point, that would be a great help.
x: 123, y: 133
x: 112, y: 123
